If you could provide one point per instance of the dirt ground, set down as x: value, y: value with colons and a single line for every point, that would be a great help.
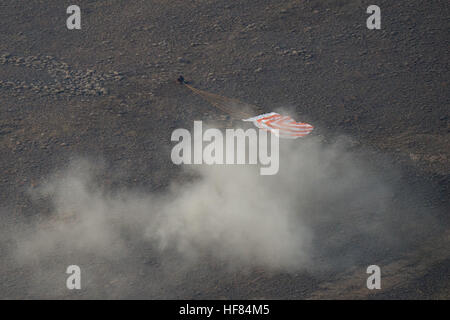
x: 108, y: 91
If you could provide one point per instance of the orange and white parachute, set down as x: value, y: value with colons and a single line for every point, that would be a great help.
x: 282, y: 126
x: 286, y: 126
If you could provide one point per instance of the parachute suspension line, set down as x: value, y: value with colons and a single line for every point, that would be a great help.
x: 223, y: 103
x: 281, y: 126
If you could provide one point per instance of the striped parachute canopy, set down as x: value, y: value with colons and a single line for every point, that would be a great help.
x: 286, y: 126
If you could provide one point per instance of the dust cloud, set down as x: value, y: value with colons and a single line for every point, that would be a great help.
x: 328, y: 207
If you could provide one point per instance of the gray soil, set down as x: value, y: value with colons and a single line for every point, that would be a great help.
x: 108, y: 91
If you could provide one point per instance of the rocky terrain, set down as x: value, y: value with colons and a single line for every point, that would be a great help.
x: 108, y: 92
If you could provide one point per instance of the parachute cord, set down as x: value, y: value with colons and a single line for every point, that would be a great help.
x: 214, y: 100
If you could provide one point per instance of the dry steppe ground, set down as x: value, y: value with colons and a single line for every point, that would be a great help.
x: 108, y: 92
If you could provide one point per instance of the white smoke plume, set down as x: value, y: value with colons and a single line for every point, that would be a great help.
x: 326, y: 208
